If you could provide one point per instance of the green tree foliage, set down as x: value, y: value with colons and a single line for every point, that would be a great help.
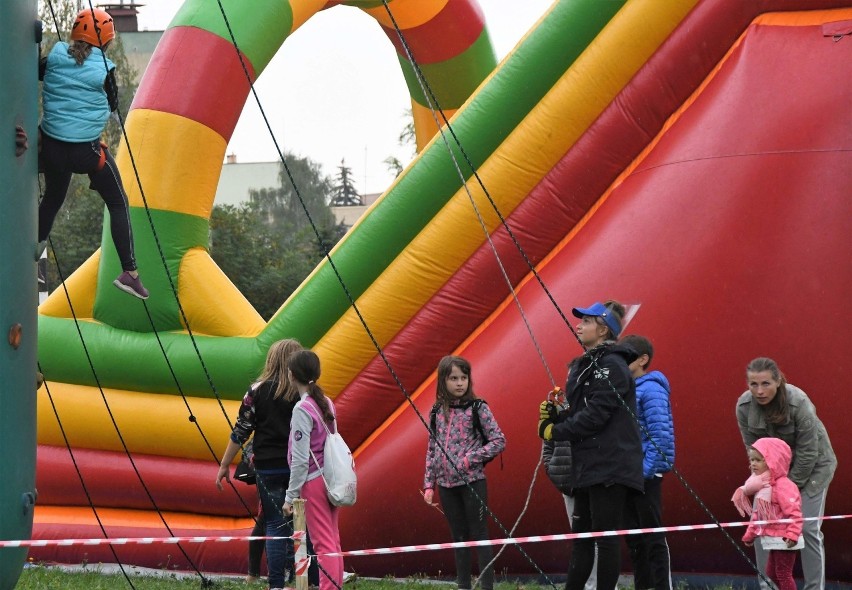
x: 407, y: 138
x: 267, y: 246
x: 76, y: 233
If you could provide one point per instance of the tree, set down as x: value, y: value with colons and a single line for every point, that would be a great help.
x: 76, y: 233
x: 407, y: 138
x: 267, y: 246
x: 345, y: 194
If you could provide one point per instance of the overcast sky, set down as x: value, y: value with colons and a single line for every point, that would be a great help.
x: 334, y: 90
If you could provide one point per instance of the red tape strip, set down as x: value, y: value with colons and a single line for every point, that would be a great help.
x: 406, y: 548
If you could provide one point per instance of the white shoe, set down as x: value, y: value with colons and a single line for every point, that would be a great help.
x: 349, y: 576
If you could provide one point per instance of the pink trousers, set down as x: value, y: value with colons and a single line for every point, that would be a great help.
x: 779, y: 568
x: 321, y: 518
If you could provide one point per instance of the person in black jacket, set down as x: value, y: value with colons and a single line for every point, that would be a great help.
x: 266, y: 410
x: 606, y: 449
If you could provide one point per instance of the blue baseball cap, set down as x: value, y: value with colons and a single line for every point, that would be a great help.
x: 599, y: 310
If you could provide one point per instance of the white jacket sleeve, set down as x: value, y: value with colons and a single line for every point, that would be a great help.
x: 301, y: 425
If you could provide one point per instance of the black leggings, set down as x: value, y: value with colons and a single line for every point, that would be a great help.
x: 597, y: 508
x: 60, y: 159
x: 468, y: 521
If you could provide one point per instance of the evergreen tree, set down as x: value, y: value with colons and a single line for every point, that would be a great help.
x: 345, y: 194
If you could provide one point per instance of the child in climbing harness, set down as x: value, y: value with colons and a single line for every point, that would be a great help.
x: 78, y: 94
x: 464, y: 437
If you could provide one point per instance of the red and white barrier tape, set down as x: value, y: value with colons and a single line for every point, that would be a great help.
x: 404, y: 549
x: 562, y: 537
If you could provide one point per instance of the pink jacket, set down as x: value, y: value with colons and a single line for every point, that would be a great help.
x: 786, y: 499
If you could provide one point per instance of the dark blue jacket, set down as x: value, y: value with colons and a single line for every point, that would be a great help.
x: 654, y: 411
x: 605, y: 443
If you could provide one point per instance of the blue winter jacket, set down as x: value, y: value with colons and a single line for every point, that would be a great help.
x: 655, y: 415
x: 75, y: 103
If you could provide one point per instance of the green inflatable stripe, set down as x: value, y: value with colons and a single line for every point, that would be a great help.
x: 450, y: 80
x: 177, y: 232
x: 133, y: 361
x: 381, y: 236
x: 259, y: 27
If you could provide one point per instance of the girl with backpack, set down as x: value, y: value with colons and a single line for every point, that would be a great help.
x: 313, y: 418
x: 469, y: 438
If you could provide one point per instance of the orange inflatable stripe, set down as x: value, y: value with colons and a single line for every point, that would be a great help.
x: 118, y: 517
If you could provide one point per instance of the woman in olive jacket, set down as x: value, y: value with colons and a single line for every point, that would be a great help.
x: 773, y: 408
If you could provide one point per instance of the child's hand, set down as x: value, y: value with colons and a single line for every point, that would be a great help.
x: 790, y: 542
x: 748, y: 543
x: 429, y: 496
x: 287, y: 509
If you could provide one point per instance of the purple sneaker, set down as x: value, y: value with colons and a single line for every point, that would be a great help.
x: 129, y: 284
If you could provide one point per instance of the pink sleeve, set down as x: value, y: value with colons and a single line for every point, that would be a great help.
x: 790, y: 501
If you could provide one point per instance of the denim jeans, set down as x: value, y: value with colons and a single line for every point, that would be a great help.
x: 272, y: 488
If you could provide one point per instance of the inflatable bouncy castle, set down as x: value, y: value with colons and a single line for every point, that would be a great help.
x: 690, y: 158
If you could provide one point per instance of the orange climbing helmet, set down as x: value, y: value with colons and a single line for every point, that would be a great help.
x: 90, y: 23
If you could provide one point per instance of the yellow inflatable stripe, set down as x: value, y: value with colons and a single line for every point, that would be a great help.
x: 81, y: 288
x: 526, y: 156
x: 209, y: 297
x: 178, y: 160
x: 407, y: 13
x: 150, y: 423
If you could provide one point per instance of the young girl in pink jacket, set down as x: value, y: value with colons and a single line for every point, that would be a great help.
x: 775, y: 497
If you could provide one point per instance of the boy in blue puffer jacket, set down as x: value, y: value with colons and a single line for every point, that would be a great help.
x: 650, y: 552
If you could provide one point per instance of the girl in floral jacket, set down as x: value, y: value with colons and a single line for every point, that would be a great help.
x: 460, y: 445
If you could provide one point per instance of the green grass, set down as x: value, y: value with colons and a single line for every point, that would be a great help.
x: 50, y: 578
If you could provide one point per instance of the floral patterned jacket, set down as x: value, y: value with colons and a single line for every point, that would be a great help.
x: 466, y: 451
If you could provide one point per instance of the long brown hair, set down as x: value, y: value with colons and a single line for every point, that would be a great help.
x: 777, y: 411
x: 79, y: 50
x: 275, y: 369
x: 305, y: 367
x: 445, y: 367
x: 617, y: 310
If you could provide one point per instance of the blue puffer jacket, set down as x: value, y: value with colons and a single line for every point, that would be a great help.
x: 655, y: 414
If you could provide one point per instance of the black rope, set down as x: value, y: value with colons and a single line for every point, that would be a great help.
x: 82, y: 481
x: 204, y: 580
x: 112, y: 416
x: 155, y: 331
x: 334, y: 268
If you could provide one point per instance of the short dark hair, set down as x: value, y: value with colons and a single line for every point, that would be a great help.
x: 641, y: 345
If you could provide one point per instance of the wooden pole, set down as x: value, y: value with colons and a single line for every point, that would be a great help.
x: 300, y: 544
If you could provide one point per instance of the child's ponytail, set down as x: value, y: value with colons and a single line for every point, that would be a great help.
x: 79, y: 50
x: 305, y: 367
